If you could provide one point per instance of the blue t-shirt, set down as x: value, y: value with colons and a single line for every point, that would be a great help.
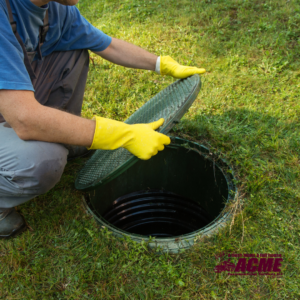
x: 68, y: 31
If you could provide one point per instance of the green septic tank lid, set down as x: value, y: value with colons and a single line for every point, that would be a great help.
x: 170, y: 104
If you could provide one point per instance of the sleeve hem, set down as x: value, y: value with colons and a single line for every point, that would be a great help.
x: 103, y: 47
x: 15, y: 86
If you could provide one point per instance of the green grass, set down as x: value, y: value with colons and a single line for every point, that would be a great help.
x: 248, y: 109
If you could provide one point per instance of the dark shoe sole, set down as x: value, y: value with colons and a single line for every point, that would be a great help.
x: 15, y: 233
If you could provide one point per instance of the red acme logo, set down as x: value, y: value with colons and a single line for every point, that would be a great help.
x: 251, y: 264
x: 226, y: 265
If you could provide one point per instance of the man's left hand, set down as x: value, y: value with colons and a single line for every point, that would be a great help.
x: 168, y: 66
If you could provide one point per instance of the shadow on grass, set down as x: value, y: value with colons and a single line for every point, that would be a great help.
x: 237, y: 127
x: 263, y: 149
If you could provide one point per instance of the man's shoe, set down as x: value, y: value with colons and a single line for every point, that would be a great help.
x: 11, y: 223
x: 77, y: 151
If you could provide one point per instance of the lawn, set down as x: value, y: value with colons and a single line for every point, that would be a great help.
x: 248, y: 111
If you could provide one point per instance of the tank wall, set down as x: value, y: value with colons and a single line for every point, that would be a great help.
x: 176, y: 169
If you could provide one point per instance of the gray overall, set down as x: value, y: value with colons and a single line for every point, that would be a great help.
x: 31, y: 168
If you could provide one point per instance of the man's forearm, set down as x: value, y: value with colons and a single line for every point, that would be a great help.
x: 128, y: 55
x: 56, y: 126
x: 33, y: 121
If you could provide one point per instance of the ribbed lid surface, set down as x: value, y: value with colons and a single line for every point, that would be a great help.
x: 170, y: 104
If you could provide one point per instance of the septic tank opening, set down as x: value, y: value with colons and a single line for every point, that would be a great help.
x: 157, y: 213
x: 180, y: 192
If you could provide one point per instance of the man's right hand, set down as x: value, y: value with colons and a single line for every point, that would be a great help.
x: 140, y: 139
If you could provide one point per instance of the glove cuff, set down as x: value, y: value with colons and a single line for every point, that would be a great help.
x: 91, y: 147
x: 110, y: 134
x: 157, y: 66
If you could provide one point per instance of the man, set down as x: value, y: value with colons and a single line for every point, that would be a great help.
x: 44, y: 65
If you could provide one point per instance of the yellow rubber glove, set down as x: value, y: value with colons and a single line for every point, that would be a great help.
x: 168, y: 66
x: 140, y: 139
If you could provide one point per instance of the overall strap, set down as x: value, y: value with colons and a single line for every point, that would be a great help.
x: 11, y: 19
x: 44, y: 28
x: 14, y: 28
x: 43, y: 31
x: 42, y: 35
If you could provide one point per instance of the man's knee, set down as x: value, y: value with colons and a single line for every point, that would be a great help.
x: 47, y: 173
x: 34, y: 169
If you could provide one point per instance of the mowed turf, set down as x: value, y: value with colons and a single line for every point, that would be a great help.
x: 247, y: 111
